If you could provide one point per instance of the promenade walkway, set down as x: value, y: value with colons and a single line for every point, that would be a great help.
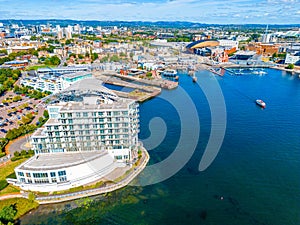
x: 101, y: 190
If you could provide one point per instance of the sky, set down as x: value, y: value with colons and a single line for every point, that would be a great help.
x: 202, y: 11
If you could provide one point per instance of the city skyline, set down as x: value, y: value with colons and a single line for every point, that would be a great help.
x: 216, y: 12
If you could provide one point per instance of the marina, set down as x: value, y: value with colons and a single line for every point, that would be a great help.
x: 253, y: 157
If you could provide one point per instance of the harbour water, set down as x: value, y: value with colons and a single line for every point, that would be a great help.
x: 255, y: 178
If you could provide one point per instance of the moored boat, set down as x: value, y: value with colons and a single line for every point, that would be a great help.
x: 194, y: 79
x: 261, y: 103
x: 170, y: 73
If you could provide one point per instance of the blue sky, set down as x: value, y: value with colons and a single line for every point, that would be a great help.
x: 204, y: 11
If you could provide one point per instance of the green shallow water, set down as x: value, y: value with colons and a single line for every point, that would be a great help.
x: 255, y: 178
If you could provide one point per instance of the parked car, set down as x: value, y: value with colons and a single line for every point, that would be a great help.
x: 3, y: 130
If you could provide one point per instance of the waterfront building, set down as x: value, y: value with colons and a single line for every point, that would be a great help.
x: 63, y: 70
x: 54, y: 82
x: 292, y: 59
x: 90, y: 132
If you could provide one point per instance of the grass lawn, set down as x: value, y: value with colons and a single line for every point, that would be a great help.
x: 9, y: 189
x: 23, y: 205
x: 38, y: 66
x: 7, y: 170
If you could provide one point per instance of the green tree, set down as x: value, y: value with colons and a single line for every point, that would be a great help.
x: 290, y: 66
x: 68, y: 42
x: 114, y: 58
x: 54, y: 60
x: 94, y: 56
x: 8, y: 213
x: 46, y: 114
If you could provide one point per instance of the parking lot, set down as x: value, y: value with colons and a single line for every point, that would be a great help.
x: 12, y: 113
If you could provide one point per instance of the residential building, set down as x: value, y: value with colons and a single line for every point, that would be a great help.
x: 90, y: 132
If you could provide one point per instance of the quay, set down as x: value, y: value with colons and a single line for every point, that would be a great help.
x: 141, y: 93
x: 167, y: 84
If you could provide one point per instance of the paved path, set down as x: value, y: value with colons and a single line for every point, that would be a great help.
x: 18, y: 144
x: 17, y: 195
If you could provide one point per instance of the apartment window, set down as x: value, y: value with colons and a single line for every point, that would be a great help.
x: 72, y: 132
x: 102, y: 132
x: 108, y: 113
x: 101, y: 125
x: 69, y: 114
x: 28, y: 175
x: 101, y: 120
x: 100, y: 113
x: 21, y: 174
x: 62, y: 179
x: 62, y: 173
x: 87, y: 126
x: 56, y: 127
x: 71, y: 127
x: 56, y: 133
x: 80, y: 126
x: 87, y: 132
x: 78, y: 114
x: 94, y: 113
x: 116, y: 113
x: 95, y: 126
x: 39, y: 175
x: 94, y: 120
x: 52, y: 174
x: 85, y: 114
x: 70, y: 121
x: 62, y: 115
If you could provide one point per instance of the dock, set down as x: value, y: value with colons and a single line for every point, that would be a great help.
x: 166, y: 84
x: 140, y: 93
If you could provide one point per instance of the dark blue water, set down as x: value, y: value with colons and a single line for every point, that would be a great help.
x: 118, y: 88
x: 255, y: 178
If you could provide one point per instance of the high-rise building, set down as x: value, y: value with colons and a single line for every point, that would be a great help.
x: 90, y: 132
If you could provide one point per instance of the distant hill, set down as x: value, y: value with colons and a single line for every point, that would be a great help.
x: 163, y: 24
